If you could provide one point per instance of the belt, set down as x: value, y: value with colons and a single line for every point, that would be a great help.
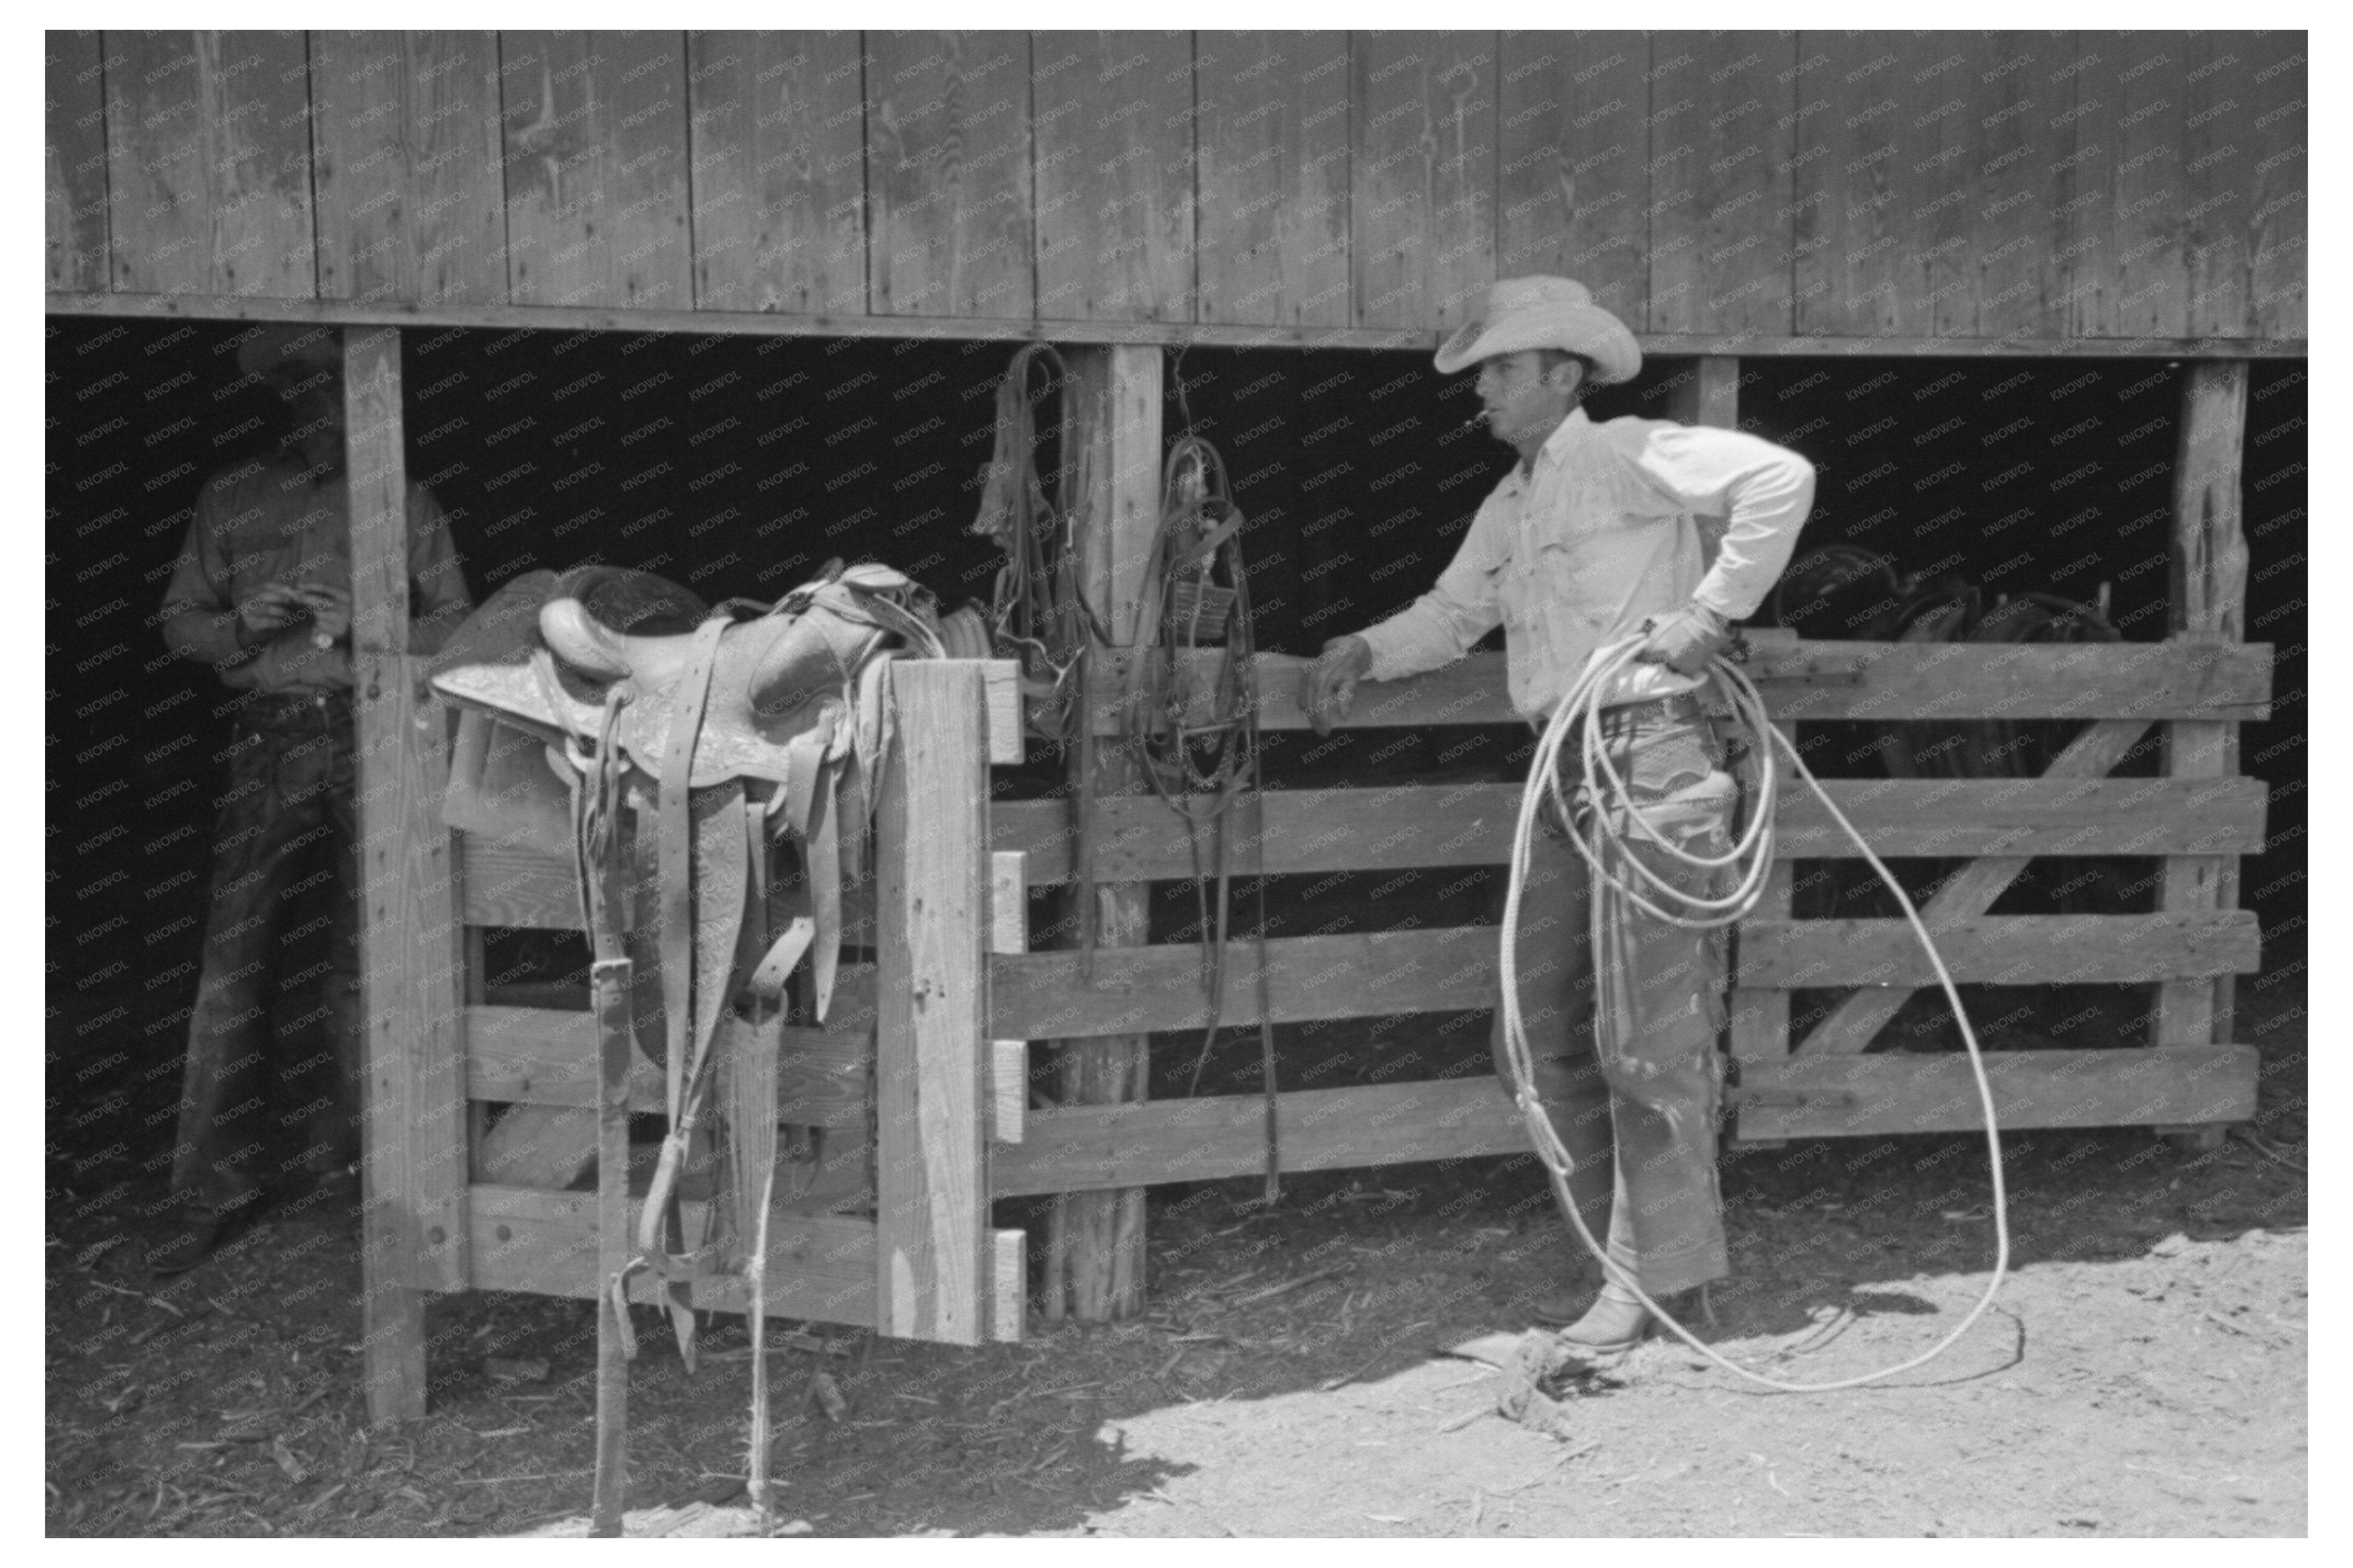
x: 305, y: 709
x: 1675, y: 708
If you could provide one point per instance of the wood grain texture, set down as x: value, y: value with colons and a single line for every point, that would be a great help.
x: 1314, y: 831
x: 1141, y: 989
x: 2278, y: 181
x: 1572, y: 185
x: 1113, y: 123
x: 547, y: 1056
x: 2208, y: 604
x: 412, y: 1126
x: 1723, y: 131
x: 208, y: 165
x: 778, y: 123
x: 544, y: 1243
x: 1854, y: 1097
x: 1927, y: 196
x: 948, y: 183
x: 2003, y: 950
x: 595, y: 127
x: 931, y: 1172
x: 1817, y: 680
x: 73, y: 124
x: 410, y: 200
x: 1422, y: 112
x: 2127, y: 273
x: 1272, y: 172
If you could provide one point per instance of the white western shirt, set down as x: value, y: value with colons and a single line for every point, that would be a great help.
x: 1605, y: 533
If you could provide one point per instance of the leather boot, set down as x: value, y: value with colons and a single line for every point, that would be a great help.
x: 1614, y: 1324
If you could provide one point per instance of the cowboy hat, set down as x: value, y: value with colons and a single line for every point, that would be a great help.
x: 1544, y: 313
x: 274, y: 349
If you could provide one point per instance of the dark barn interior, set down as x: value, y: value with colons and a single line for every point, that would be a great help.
x: 737, y: 465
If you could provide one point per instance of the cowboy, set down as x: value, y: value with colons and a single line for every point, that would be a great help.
x: 1603, y: 532
x: 262, y: 594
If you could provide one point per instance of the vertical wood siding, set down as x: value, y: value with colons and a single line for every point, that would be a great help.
x: 1970, y: 185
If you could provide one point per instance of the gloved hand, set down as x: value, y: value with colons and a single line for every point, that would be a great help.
x: 1685, y: 640
x: 1331, y: 679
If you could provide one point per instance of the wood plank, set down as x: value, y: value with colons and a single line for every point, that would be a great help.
x: 2219, y: 189
x: 1113, y: 125
x: 931, y: 1168
x: 1723, y: 137
x: 73, y: 182
x: 413, y: 1122
x: 2206, y: 607
x: 2127, y: 275
x: 545, y: 1244
x: 778, y: 135
x: 1009, y: 901
x: 411, y: 203
x: 2281, y: 219
x: 1008, y: 1090
x: 2000, y: 949
x: 1272, y: 132
x: 1139, y: 989
x: 208, y: 155
x: 548, y: 1146
x: 1813, y: 681
x: 948, y: 174
x: 1077, y: 1148
x: 515, y: 886
x: 1572, y: 185
x: 1094, y: 1264
x: 547, y: 1056
x: 1469, y: 824
x: 1857, y: 1097
x: 1172, y: 334
x: 1008, y: 1258
x: 1422, y: 215
x: 1008, y: 741
x: 595, y: 128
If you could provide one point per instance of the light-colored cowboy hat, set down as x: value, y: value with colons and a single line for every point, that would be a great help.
x: 276, y: 348
x: 1544, y: 313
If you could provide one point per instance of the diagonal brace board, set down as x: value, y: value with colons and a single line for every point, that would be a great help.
x: 1969, y: 892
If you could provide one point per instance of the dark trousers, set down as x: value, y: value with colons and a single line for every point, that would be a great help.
x: 286, y: 885
x: 1623, y: 1011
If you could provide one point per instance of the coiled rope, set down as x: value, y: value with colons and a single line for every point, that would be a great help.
x: 1602, y: 844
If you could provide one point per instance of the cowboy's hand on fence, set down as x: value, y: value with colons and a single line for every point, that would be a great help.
x: 1331, y: 679
x: 1685, y: 640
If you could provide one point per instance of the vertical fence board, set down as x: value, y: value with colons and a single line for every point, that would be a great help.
x: 947, y: 174
x: 73, y: 120
x: 2207, y: 604
x: 1114, y: 128
x: 933, y: 1265
x: 594, y: 130
x: 2228, y: 198
x: 1273, y: 173
x: 777, y: 122
x: 410, y: 202
x: 208, y: 154
x: 2126, y: 273
x: 1724, y: 124
x: 1572, y: 186
x: 413, y: 1165
x: 1998, y: 279
x: 1423, y: 202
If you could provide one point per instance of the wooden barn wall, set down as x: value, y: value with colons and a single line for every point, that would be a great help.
x: 1965, y: 185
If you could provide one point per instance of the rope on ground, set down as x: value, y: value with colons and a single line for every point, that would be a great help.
x: 1750, y: 859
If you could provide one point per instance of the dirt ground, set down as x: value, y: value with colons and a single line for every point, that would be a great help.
x: 2142, y: 1372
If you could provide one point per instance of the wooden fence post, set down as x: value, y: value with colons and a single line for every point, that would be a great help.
x: 1110, y: 422
x: 412, y: 1116
x: 2208, y: 605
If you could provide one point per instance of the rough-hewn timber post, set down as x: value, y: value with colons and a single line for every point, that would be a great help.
x: 2209, y: 605
x: 412, y: 1116
x: 1110, y: 417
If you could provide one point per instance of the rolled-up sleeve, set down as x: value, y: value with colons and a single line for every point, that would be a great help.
x: 1442, y: 625
x: 1763, y: 490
